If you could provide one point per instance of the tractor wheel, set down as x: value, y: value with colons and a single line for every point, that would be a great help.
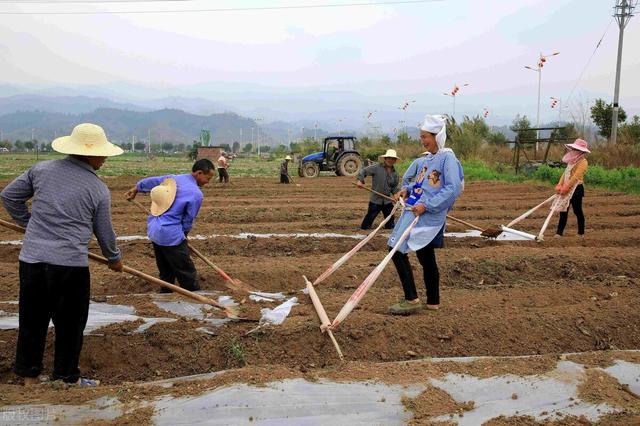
x: 349, y: 165
x: 310, y: 169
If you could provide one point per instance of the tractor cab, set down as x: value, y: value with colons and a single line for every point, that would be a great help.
x: 338, y: 155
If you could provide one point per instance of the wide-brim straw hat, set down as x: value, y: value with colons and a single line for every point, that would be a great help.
x: 162, y: 196
x: 391, y: 153
x: 288, y: 157
x: 579, y: 145
x: 86, y: 139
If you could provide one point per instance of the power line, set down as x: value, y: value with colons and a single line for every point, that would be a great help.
x: 89, y: 1
x: 231, y: 9
x: 589, y: 61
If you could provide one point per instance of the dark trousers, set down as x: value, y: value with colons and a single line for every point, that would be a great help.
x: 57, y: 293
x: 576, y: 203
x: 372, y: 213
x: 223, y: 175
x: 430, y: 273
x: 284, y: 178
x: 174, y: 263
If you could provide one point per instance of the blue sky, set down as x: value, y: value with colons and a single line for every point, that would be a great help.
x: 386, y: 53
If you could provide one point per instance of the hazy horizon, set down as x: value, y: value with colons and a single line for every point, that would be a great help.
x: 318, y: 62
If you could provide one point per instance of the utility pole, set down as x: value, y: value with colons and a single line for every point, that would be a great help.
x: 258, y: 134
x: 622, y: 11
x: 33, y: 141
x: 541, y: 61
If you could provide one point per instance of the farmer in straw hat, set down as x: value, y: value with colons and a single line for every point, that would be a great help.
x: 284, y: 169
x: 571, y: 185
x: 175, y: 202
x: 431, y: 185
x: 70, y: 203
x: 384, y: 179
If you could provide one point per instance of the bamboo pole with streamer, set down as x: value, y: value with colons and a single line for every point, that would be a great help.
x: 338, y: 263
x: 368, y: 282
x: 528, y: 212
x: 322, y: 316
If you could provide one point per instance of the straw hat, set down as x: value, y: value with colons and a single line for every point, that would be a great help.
x: 288, y: 157
x: 162, y: 196
x: 579, y: 145
x: 391, y: 153
x: 86, y: 139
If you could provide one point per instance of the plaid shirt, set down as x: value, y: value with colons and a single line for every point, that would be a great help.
x: 70, y: 203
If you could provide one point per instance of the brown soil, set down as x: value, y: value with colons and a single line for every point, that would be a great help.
x: 498, y: 298
x: 617, y: 419
x: 433, y: 402
x: 599, y: 387
x: 133, y: 417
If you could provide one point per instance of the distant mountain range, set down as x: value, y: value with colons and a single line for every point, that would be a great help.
x: 166, y: 125
x: 170, y: 119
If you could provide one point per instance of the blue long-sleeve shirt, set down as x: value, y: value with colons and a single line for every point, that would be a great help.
x: 171, y: 227
x: 440, y: 178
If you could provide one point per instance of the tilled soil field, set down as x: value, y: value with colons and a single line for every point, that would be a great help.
x: 562, y: 295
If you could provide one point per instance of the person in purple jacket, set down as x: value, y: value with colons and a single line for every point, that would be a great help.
x: 168, y: 228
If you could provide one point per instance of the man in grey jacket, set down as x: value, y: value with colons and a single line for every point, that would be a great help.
x: 384, y: 180
x: 70, y: 203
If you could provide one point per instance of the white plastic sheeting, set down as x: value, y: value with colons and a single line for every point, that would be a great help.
x: 100, y: 315
x: 290, y: 402
x: 547, y: 396
x: 626, y: 373
x: 277, y: 315
x: 505, y: 236
x: 261, y: 296
x: 46, y: 414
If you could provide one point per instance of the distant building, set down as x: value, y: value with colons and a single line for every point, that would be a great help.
x: 209, y: 152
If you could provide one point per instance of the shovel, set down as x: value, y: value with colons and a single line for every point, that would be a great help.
x: 491, y: 232
x: 230, y: 312
x: 231, y: 283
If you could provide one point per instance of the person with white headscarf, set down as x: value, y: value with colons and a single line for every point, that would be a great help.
x: 431, y: 185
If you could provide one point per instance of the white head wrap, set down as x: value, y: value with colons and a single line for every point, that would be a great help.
x: 437, y: 125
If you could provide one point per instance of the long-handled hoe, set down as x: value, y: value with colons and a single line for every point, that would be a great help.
x: 491, y: 232
x: 229, y: 311
x: 554, y: 198
x: 231, y: 283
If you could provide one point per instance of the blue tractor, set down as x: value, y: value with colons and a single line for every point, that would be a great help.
x: 338, y: 155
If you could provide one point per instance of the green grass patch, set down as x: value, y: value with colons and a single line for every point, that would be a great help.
x: 624, y: 179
